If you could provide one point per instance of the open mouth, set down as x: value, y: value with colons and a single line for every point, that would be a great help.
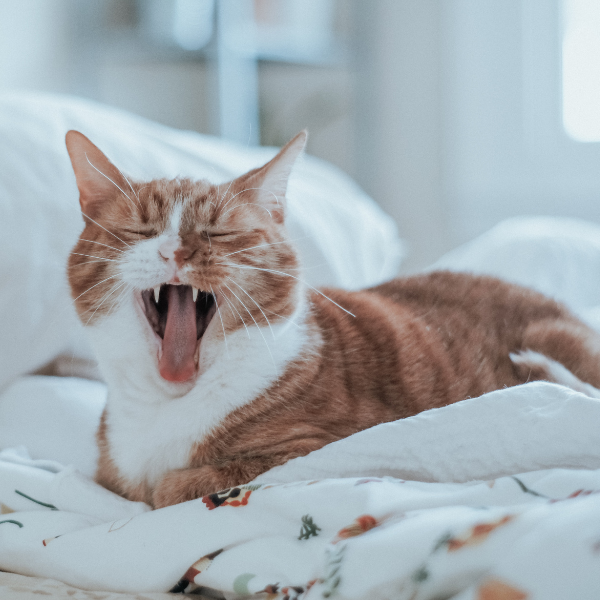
x: 179, y: 315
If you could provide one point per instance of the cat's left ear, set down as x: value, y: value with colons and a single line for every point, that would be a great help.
x: 270, y: 181
x: 97, y: 178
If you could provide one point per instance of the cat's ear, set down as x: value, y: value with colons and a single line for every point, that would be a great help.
x: 270, y: 181
x: 97, y: 178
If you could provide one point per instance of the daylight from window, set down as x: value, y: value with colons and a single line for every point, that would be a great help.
x: 581, y: 69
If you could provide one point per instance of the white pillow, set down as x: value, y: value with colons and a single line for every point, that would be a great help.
x: 343, y: 237
x: 557, y: 256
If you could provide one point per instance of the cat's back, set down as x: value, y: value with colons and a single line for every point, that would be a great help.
x: 439, y: 336
x: 441, y: 294
x: 446, y: 298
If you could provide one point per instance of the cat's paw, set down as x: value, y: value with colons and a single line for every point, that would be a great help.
x: 187, y: 484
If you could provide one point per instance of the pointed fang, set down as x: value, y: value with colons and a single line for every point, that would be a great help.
x: 156, y: 293
x: 194, y: 293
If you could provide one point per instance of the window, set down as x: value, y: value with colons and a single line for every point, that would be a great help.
x: 581, y: 69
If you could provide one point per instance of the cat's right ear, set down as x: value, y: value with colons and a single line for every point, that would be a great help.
x: 97, y: 178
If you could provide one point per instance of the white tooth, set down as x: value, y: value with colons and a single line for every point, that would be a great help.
x: 194, y: 293
x: 156, y: 293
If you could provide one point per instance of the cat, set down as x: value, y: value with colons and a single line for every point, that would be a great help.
x: 221, y: 363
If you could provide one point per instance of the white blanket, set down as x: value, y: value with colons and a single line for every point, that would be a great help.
x: 490, y: 498
x: 368, y: 537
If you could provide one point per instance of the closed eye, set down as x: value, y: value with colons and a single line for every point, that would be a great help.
x: 220, y: 234
x: 148, y: 233
x: 231, y: 234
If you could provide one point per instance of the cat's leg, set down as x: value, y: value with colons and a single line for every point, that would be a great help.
x: 566, y: 352
x: 536, y: 366
x: 182, y: 485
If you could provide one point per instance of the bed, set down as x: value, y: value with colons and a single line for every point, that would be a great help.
x: 493, y: 498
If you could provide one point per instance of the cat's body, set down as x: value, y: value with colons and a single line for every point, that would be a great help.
x: 273, y: 370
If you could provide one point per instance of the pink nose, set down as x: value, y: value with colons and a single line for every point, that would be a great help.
x: 171, y: 250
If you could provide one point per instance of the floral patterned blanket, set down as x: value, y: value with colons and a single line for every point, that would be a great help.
x: 516, y: 535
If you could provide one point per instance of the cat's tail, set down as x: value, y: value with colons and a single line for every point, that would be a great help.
x: 540, y: 367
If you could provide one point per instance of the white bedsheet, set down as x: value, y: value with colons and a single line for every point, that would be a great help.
x: 368, y: 537
x: 491, y: 498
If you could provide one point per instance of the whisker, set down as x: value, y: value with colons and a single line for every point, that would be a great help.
x: 225, y: 193
x: 248, y: 190
x: 107, y: 177
x: 246, y: 204
x: 130, y: 186
x: 83, y: 214
x: 106, y: 296
x: 98, y: 257
x: 286, y: 318
x: 257, y: 326
x: 116, y: 301
x: 87, y: 262
x: 221, y: 205
x: 95, y: 285
x: 68, y: 305
x: 232, y: 305
x: 101, y: 244
x: 255, y: 302
x: 221, y: 318
x: 228, y: 303
x: 293, y: 277
x: 317, y: 266
x: 265, y: 246
x: 107, y: 231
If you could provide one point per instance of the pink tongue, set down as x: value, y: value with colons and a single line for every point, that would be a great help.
x: 176, y: 362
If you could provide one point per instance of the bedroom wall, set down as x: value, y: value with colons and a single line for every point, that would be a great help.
x: 35, y: 45
x: 398, y: 120
x: 447, y: 113
x: 360, y: 115
x: 54, y: 45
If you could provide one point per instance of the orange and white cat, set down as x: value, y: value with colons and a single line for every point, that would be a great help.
x: 221, y: 363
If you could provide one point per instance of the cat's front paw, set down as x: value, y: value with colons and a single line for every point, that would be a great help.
x: 187, y: 484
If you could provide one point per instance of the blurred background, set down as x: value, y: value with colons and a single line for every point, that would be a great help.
x: 452, y: 114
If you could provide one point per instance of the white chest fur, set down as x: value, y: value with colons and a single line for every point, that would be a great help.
x: 149, y: 438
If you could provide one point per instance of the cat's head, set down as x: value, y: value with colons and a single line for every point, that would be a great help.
x: 191, y: 260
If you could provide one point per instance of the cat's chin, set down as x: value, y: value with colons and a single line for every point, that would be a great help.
x: 177, y: 317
